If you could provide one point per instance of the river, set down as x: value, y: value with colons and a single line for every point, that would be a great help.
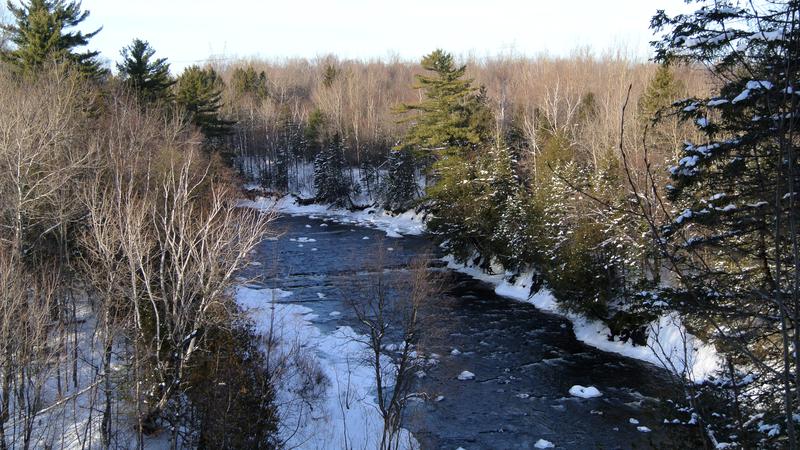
x: 524, y: 360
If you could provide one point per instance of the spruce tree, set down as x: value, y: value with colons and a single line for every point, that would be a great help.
x: 655, y: 111
x: 330, y: 183
x: 369, y: 177
x: 316, y: 132
x: 400, y: 187
x: 41, y: 35
x: 518, y: 233
x: 734, y: 236
x: 330, y: 75
x: 290, y: 144
x: 149, y: 78
x: 248, y: 82
x: 199, y: 92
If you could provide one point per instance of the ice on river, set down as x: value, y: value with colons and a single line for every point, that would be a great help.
x: 542, y: 443
x: 584, y: 392
x: 466, y: 375
x: 395, y: 225
x: 342, y: 411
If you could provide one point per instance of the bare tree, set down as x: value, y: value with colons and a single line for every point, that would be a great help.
x: 394, y: 309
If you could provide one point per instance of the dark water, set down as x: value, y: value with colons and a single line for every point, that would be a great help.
x: 524, y: 360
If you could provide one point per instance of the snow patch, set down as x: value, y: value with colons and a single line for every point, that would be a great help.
x: 466, y: 375
x: 340, y: 357
x: 395, y: 225
x: 392, y: 233
x: 669, y: 345
x: 584, y: 392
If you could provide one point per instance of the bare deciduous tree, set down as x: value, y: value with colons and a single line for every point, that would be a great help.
x: 394, y: 309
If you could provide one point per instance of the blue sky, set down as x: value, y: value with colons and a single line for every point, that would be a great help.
x: 188, y: 31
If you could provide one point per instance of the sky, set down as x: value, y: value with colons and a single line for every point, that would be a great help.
x: 189, y: 31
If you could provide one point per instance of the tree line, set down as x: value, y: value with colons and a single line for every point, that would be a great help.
x: 670, y: 190
x: 632, y: 190
x: 120, y: 238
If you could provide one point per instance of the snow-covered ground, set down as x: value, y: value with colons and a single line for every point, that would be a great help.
x: 325, y: 387
x: 669, y: 345
x: 395, y: 225
x: 70, y: 417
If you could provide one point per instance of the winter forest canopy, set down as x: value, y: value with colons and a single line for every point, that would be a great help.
x: 651, y: 205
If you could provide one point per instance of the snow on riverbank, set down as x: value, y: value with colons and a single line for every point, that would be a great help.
x: 395, y: 226
x: 324, y: 388
x: 669, y: 345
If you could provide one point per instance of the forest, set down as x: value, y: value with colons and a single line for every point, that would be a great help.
x: 641, y: 196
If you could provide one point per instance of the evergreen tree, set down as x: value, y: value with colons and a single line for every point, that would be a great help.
x: 330, y: 183
x: 736, y: 237
x: 502, y: 181
x: 149, y: 78
x: 316, y: 133
x: 452, y: 118
x: 290, y: 144
x: 452, y: 202
x: 369, y: 176
x: 4, y: 34
x: 248, y: 82
x: 330, y: 75
x: 199, y: 92
x: 400, y: 187
x: 655, y: 105
x: 467, y: 201
x: 41, y: 35
x: 449, y: 127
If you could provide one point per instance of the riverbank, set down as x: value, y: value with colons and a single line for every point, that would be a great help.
x: 525, y: 362
x: 669, y: 345
x: 324, y: 387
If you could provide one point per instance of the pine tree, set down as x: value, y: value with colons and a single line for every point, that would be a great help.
x: 199, y: 92
x: 330, y: 183
x: 369, y: 177
x: 330, y: 75
x: 400, y: 187
x: 41, y: 35
x: 450, y: 127
x: 149, y: 78
x: 655, y: 105
x: 248, y: 82
x: 316, y: 132
x: 452, y: 118
x: 736, y: 237
x: 290, y: 144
